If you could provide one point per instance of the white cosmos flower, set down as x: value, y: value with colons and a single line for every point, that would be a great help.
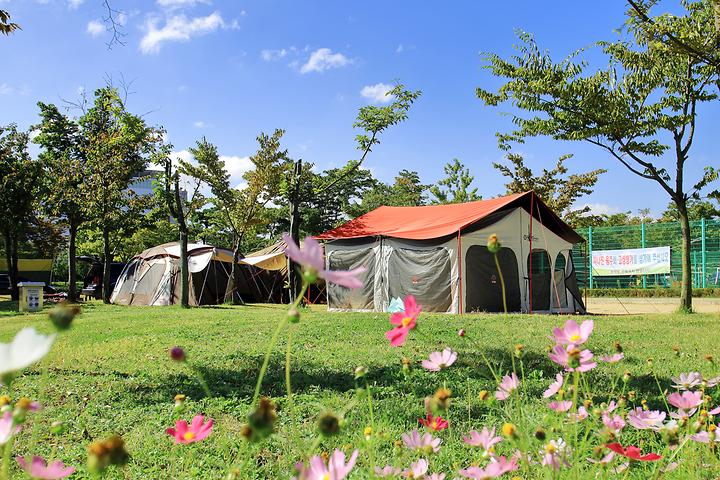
x: 26, y: 348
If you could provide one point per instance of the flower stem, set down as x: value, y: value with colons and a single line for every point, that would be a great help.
x: 201, y: 380
x: 288, y: 382
x: 502, y: 283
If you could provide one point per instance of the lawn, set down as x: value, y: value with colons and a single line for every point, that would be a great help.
x: 111, y: 373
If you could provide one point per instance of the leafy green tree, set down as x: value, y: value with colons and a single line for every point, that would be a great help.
x: 117, y: 147
x: 20, y: 182
x: 6, y: 26
x: 697, y: 210
x: 558, y: 191
x: 648, y: 94
x: 406, y: 191
x: 242, y: 209
x: 63, y: 158
x: 454, y: 188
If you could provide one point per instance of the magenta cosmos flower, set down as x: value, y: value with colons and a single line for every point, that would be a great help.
x: 426, y: 443
x: 646, y: 420
x: 404, y: 322
x: 336, y: 469
x: 486, y: 439
x: 572, y: 333
x: 39, y: 468
x: 198, y: 430
x: 440, y: 360
x: 311, y: 258
x: 434, y: 423
x: 581, y: 360
x: 507, y: 386
x: 555, y: 386
x: 496, y: 468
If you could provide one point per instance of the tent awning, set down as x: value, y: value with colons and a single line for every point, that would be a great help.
x: 270, y: 261
x: 435, y: 221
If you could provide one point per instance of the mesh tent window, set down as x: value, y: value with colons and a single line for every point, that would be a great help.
x: 362, y: 298
x: 559, y: 294
x: 423, y: 273
x: 482, y: 283
x: 541, y: 278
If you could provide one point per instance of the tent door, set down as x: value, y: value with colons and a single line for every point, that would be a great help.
x: 482, y: 283
x: 541, y: 268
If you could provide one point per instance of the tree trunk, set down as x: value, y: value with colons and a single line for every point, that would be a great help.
x: 107, y: 262
x: 235, y: 274
x: 184, y: 273
x: 686, y: 286
x: 72, y: 263
x: 11, y: 258
x: 294, y: 280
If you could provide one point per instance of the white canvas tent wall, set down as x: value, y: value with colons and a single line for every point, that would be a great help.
x: 439, y: 254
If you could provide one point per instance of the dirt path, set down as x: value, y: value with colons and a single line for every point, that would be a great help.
x: 615, y: 306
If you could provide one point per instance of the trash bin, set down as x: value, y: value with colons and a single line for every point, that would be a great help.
x: 31, y: 296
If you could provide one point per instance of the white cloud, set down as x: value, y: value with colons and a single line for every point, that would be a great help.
x: 178, y: 28
x: 400, y: 48
x: 235, y: 165
x: 6, y: 89
x: 601, y: 208
x: 74, y: 4
x: 199, y: 124
x: 377, y: 93
x: 95, y: 28
x: 180, y: 3
x: 272, y: 55
x: 324, y: 59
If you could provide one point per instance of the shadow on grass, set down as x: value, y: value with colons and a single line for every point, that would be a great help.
x: 387, y: 380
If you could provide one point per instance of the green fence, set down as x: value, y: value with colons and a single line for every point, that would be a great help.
x: 704, y: 253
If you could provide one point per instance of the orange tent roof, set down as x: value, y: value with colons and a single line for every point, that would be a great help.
x: 434, y: 221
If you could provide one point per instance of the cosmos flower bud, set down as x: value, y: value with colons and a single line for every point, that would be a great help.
x: 540, y: 434
x: 650, y: 362
x: 58, y: 428
x: 573, y: 358
x: 4, y: 400
x: 631, y: 395
x: 406, y: 364
x: 493, y: 244
x: 329, y: 424
x: 180, y: 402
x: 110, y: 451
x: 261, y: 421
x: 618, y: 347
x: 598, y: 452
x: 676, y: 349
x: 484, y: 395
x: 519, y: 350
x: 710, y: 358
x: 63, y: 315
x: 509, y: 431
x: 293, y: 315
x: 626, y: 377
x: 178, y: 354
x: 441, y: 399
x: 461, y: 332
x: 360, y: 372
x: 368, y: 432
x: 309, y: 275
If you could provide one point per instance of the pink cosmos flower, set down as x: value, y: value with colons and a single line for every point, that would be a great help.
x: 561, y: 356
x: 614, y: 424
x: 39, y: 468
x: 507, y: 386
x: 612, y: 358
x: 485, y: 439
x: 388, y: 471
x: 440, y: 360
x: 311, y: 258
x: 555, y: 386
x: 561, y: 406
x: 572, y: 333
x: 646, y: 420
x: 706, y: 437
x: 7, y: 428
x: 336, y: 469
x: 198, y: 430
x: 605, y: 460
x: 579, y: 416
x: 556, y: 454
x: 496, y: 468
x: 714, y: 411
x: 417, y: 469
x: 434, y: 423
x: 686, y: 400
x: 426, y: 442
x: 404, y: 322
x: 687, y: 381
x: 610, y: 407
x: 435, y: 476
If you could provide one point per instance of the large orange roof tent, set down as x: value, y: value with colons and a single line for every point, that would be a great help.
x: 439, y: 254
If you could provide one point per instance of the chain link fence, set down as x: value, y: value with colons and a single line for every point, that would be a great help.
x: 704, y: 253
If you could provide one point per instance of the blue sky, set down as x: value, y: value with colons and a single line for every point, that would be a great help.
x: 231, y: 69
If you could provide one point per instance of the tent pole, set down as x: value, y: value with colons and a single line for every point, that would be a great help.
x: 532, y: 211
x: 460, y: 291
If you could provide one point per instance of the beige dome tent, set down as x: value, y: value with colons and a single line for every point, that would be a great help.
x: 152, y: 277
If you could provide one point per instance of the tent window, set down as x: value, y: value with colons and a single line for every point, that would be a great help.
x: 425, y: 274
x: 362, y: 298
x: 559, y: 294
x: 482, y: 283
x: 539, y: 265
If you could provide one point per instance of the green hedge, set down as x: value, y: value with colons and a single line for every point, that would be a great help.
x: 650, y: 292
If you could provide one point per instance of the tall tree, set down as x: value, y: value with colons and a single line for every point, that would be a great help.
x: 697, y: 210
x: 6, y: 26
x: 241, y: 208
x: 558, y: 191
x: 455, y: 187
x: 117, y: 146
x: 648, y: 94
x: 20, y: 181
x: 65, y: 164
x: 405, y: 191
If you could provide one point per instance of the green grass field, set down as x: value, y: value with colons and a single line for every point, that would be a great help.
x: 111, y: 373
